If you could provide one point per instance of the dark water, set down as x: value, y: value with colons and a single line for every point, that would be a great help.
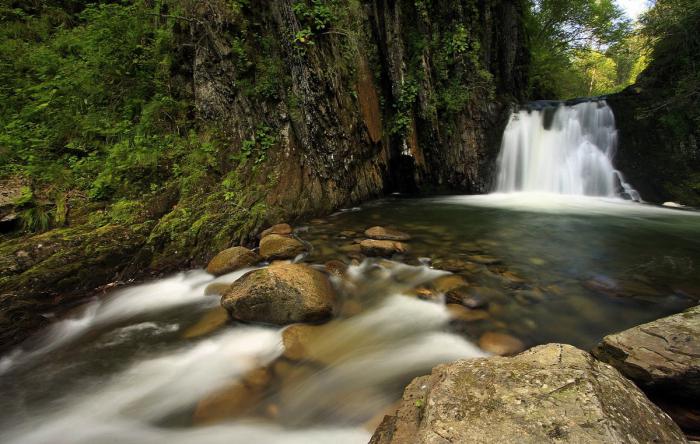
x: 596, y: 266
x: 134, y: 366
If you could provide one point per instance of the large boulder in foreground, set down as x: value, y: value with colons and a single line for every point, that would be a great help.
x: 281, y: 294
x: 661, y: 355
x: 276, y: 246
x: 550, y: 393
x: 232, y: 259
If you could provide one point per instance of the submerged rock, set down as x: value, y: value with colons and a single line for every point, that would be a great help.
x: 372, y: 247
x: 281, y: 229
x: 551, y: 393
x: 232, y: 259
x: 238, y: 399
x: 662, y: 354
x: 460, y: 313
x: 210, y: 322
x: 276, y: 246
x: 382, y: 233
x: 500, y: 343
x: 281, y: 294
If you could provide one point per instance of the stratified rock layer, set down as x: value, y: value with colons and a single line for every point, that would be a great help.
x: 551, y: 393
x: 663, y: 354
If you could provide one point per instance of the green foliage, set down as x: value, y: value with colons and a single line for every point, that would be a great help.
x: 315, y: 18
x: 403, y: 107
x: 581, y: 48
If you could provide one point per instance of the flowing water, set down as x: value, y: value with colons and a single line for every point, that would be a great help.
x: 562, y: 149
x: 159, y: 362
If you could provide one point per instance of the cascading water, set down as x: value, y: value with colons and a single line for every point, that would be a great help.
x: 562, y: 149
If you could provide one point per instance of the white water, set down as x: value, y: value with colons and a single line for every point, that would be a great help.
x: 571, y: 154
x: 367, y: 358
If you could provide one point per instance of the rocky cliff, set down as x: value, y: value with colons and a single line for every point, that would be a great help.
x: 309, y: 106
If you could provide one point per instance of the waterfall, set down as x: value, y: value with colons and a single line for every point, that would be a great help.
x: 564, y: 149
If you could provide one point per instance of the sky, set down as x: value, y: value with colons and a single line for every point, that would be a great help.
x: 634, y: 8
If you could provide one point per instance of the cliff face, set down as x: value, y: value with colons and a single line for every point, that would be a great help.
x: 659, y: 117
x: 310, y: 106
x: 388, y: 96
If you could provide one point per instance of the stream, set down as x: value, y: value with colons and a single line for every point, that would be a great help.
x: 563, y: 260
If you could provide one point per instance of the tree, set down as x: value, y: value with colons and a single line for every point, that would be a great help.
x: 564, y: 36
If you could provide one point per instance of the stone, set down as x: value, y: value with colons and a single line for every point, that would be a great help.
x: 238, y: 399
x: 660, y: 355
x: 501, y: 344
x: 210, y: 322
x: 281, y: 294
x: 336, y: 267
x: 276, y: 246
x: 298, y: 341
x: 485, y: 293
x: 551, y: 393
x: 484, y: 259
x: 382, y: 233
x: 460, y: 313
x: 372, y: 247
x: 281, y: 229
x: 216, y: 288
x: 445, y: 284
x: 232, y: 259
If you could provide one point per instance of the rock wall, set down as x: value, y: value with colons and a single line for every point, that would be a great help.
x: 383, y: 96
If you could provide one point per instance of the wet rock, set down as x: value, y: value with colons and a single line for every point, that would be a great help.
x: 281, y: 229
x: 238, y: 399
x: 299, y: 340
x: 232, y: 259
x: 526, y: 297
x: 427, y: 294
x: 281, y: 294
x: 473, y: 301
x: 216, y: 288
x: 456, y: 265
x: 351, y: 248
x: 372, y: 247
x: 512, y: 278
x: 336, y: 267
x: 276, y: 246
x: 501, y: 344
x: 444, y: 284
x: 486, y: 293
x: 382, y: 233
x: 348, y: 233
x: 461, y: 313
x: 210, y: 322
x: 660, y: 355
x: 484, y: 259
x: 551, y: 393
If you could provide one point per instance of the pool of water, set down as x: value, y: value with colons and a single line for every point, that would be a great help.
x: 156, y: 362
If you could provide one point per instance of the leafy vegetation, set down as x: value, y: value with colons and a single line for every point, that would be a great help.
x: 582, y: 48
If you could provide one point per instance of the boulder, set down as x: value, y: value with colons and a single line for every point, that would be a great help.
x: 281, y: 229
x: 382, y: 233
x: 551, y: 393
x: 232, y: 259
x: 500, y: 343
x: 281, y: 294
x: 276, y: 246
x: 372, y: 247
x: 663, y: 354
x: 460, y: 313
